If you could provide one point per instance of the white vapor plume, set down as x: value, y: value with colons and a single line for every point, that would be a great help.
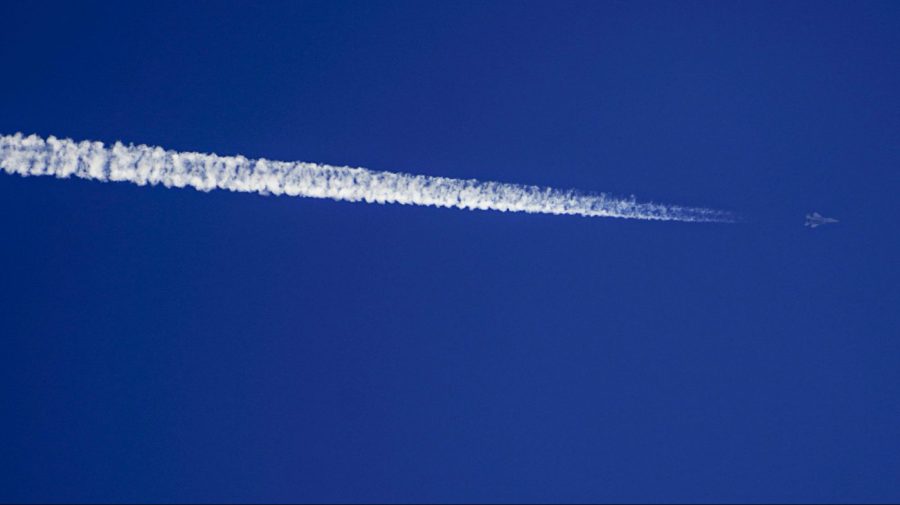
x: 140, y: 164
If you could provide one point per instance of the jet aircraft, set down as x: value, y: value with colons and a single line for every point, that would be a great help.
x: 816, y: 219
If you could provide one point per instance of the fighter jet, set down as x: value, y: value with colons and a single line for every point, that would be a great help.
x: 816, y: 219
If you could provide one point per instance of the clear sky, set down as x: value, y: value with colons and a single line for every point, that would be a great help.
x: 171, y: 345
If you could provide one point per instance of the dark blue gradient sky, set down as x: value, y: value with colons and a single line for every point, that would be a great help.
x: 170, y: 345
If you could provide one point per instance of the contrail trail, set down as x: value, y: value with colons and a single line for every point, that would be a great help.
x: 141, y: 165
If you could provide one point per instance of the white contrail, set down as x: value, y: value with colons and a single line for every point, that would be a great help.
x: 33, y: 155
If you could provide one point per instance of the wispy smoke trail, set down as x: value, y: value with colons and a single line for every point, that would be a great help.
x: 142, y: 165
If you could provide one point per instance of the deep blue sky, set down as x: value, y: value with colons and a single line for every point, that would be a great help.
x: 164, y: 345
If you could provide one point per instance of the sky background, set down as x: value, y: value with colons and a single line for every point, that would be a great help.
x: 171, y: 345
